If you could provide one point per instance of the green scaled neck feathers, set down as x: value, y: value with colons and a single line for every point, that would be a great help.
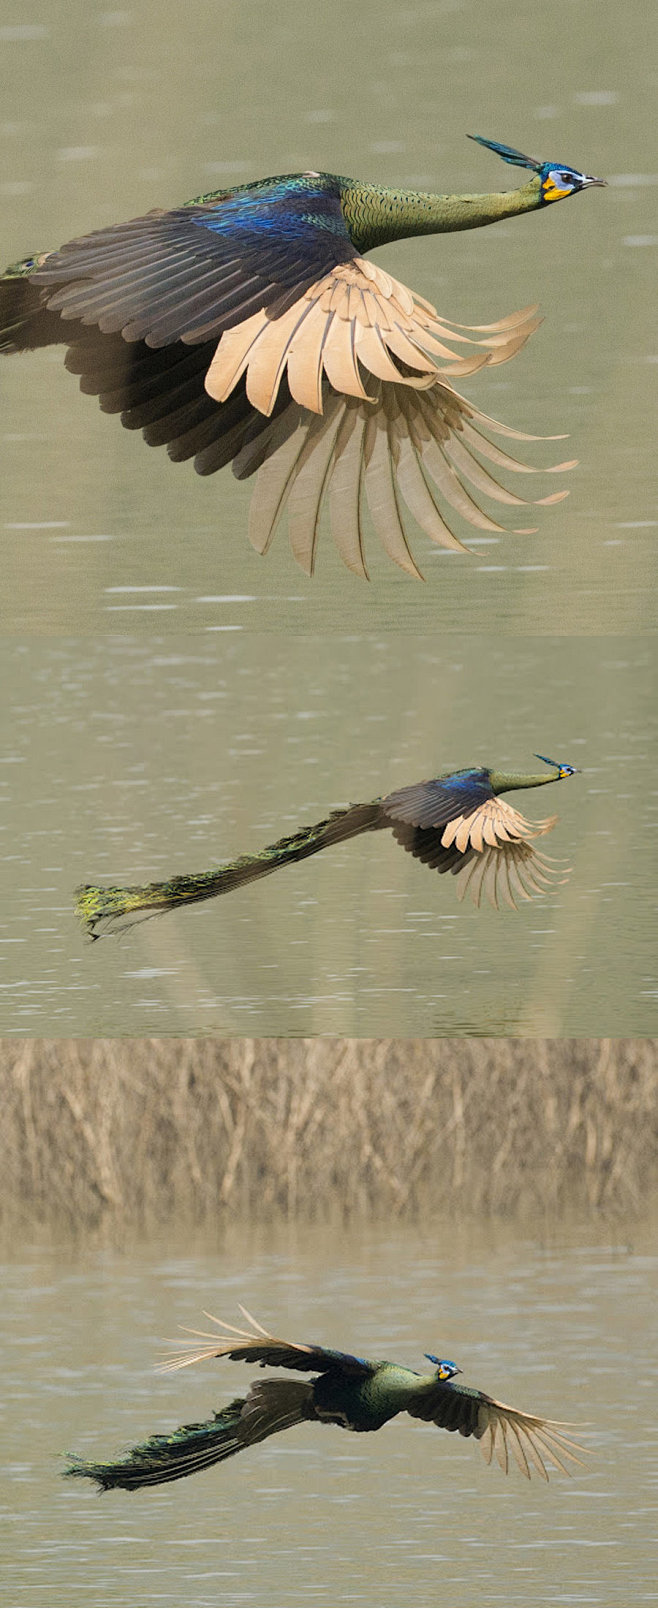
x: 509, y: 781
x: 375, y: 215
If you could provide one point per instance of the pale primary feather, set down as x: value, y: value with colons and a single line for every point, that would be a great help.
x: 356, y: 316
x: 510, y: 872
x: 493, y: 822
x: 417, y: 439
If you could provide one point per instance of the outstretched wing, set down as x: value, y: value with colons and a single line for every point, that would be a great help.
x: 192, y: 272
x: 469, y: 813
x: 330, y: 378
x: 403, y: 453
x: 257, y: 1346
x: 502, y: 875
x: 487, y: 845
x: 500, y: 1429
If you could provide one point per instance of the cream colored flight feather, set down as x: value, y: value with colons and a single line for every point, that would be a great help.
x: 493, y: 822
x: 506, y: 874
x: 502, y: 1429
x: 377, y: 421
x: 501, y: 866
x: 356, y: 317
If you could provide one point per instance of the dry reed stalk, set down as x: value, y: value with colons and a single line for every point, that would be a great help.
x: 139, y: 1131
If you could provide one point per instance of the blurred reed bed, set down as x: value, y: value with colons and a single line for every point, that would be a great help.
x: 146, y: 1131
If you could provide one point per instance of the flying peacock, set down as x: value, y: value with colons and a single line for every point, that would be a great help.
x: 456, y: 822
x: 352, y: 1392
x: 247, y: 327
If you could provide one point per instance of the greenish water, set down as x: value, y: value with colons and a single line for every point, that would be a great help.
x: 129, y: 760
x: 558, y: 1322
x: 107, y: 113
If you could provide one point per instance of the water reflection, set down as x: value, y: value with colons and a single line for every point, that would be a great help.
x: 403, y: 1517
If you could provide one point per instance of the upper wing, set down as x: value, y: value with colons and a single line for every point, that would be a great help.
x: 498, y: 1428
x: 189, y: 273
x: 436, y: 802
x: 256, y: 1345
x: 472, y: 816
x: 329, y: 387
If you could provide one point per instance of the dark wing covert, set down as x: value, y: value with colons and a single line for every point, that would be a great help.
x: 436, y: 802
x: 264, y: 1349
x: 192, y: 272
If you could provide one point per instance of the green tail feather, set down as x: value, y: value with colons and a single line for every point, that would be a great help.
x: 163, y: 1458
x: 119, y: 908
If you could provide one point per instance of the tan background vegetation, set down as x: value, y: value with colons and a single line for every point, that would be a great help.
x: 144, y: 1131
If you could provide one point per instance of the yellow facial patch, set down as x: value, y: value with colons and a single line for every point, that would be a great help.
x: 550, y: 191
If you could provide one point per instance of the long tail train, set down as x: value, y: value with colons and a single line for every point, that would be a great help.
x: 119, y: 908
x: 271, y: 1406
x: 162, y: 1458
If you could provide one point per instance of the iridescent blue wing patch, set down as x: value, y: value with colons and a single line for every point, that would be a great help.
x: 195, y: 271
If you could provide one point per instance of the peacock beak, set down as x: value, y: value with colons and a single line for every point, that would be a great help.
x: 588, y: 179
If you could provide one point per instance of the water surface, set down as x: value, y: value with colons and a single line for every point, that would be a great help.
x: 128, y: 760
x: 558, y: 1322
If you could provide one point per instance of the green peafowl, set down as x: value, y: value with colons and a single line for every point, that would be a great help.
x: 456, y: 822
x: 352, y: 1392
x: 247, y: 327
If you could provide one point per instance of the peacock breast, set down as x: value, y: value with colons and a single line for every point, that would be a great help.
x: 364, y: 1404
x: 354, y: 1404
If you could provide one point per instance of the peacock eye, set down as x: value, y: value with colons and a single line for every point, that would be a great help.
x: 565, y: 177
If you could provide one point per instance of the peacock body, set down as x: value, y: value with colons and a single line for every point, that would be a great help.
x: 354, y: 1393
x: 457, y: 823
x: 247, y: 327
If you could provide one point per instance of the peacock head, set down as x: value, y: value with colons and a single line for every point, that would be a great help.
x: 558, y: 182
x: 562, y: 770
x: 556, y: 179
x: 444, y: 1369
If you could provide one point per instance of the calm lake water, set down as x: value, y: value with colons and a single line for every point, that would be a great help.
x: 108, y: 113
x: 557, y: 1322
x: 128, y: 760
